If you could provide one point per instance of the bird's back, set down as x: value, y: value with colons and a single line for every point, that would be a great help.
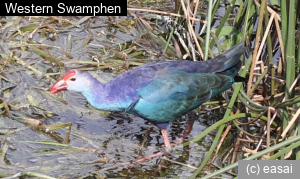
x: 162, y: 91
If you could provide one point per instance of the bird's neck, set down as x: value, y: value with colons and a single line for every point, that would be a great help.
x: 102, y: 97
x: 93, y: 90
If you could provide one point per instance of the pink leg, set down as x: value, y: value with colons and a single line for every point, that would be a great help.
x: 149, y: 157
x: 164, y: 133
x: 187, y: 130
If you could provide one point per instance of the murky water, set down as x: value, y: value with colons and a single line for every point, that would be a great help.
x: 101, y: 144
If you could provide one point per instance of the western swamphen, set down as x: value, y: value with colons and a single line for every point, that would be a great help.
x: 160, y: 91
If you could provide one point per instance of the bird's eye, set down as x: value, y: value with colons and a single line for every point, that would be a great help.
x: 73, y: 79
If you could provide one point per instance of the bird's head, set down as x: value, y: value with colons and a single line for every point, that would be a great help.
x: 74, y: 80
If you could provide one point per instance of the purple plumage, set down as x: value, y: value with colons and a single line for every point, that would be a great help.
x: 160, y: 91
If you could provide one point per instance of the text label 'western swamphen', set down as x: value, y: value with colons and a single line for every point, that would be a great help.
x: 160, y: 91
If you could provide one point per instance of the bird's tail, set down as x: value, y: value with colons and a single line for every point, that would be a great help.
x: 228, y: 61
x: 233, y: 70
x: 232, y: 62
x: 240, y: 79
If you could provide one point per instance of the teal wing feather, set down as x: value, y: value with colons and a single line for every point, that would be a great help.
x: 173, y: 93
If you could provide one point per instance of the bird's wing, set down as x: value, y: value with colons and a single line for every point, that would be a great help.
x: 173, y: 93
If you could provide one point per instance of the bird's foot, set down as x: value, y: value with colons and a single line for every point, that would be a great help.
x: 179, y: 141
x: 168, y: 149
x: 150, y: 157
x: 188, y: 128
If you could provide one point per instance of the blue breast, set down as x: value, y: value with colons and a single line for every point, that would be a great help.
x: 163, y: 91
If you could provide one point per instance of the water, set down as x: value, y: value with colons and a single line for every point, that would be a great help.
x: 101, y: 144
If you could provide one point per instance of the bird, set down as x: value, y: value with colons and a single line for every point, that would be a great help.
x: 161, y: 91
